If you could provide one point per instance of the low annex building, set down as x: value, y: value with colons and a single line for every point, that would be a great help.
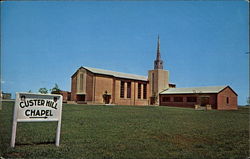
x: 65, y: 94
x: 5, y: 95
x: 98, y: 86
x: 219, y: 97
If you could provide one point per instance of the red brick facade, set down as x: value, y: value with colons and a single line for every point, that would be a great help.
x: 66, y: 95
x: 98, y: 84
x: 73, y: 88
x: 227, y: 99
x: 94, y: 88
x: 223, y: 100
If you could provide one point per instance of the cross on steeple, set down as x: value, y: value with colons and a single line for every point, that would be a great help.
x: 158, y: 63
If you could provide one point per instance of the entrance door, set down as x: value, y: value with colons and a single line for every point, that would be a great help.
x: 152, y: 100
x: 204, y: 101
x: 106, y: 98
x: 80, y: 97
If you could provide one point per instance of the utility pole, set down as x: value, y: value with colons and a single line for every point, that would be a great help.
x: 248, y: 99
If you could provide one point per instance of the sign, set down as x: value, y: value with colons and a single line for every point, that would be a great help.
x: 30, y: 107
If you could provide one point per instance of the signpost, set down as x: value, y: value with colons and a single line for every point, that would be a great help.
x: 30, y: 107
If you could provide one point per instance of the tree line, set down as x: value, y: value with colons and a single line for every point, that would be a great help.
x: 44, y: 90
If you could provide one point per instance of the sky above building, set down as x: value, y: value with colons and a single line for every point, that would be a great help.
x: 203, y: 43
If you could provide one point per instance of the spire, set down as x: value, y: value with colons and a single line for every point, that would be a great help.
x: 158, y: 63
x: 158, y: 49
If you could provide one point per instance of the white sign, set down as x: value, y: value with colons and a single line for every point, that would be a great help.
x: 30, y: 107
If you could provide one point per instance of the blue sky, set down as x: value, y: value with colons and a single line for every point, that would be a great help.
x: 203, y: 43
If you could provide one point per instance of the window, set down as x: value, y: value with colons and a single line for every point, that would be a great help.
x: 153, y: 81
x: 191, y: 99
x: 81, y: 82
x: 178, y: 99
x: 139, y: 91
x: 122, y: 89
x: 165, y: 99
x: 227, y: 100
x: 144, y: 91
x: 129, y: 90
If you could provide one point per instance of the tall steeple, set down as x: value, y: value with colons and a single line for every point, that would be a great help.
x: 158, y: 77
x: 158, y: 63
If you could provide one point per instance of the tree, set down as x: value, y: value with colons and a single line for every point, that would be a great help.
x: 43, y: 90
x: 55, y: 89
x: 29, y: 91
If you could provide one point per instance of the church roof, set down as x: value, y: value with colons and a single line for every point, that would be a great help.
x: 210, y: 89
x: 116, y: 74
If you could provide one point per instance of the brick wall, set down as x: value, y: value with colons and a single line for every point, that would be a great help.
x: 73, y: 87
x: 97, y: 84
x: 133, y: 100
x: 102, y: 84
x: 89, y: 86
x: 223, y: 104
x: 185, y: 103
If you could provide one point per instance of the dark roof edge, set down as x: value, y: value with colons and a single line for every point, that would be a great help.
x: 77, y: 71
x: 106, y: 74
x: 229, y: 88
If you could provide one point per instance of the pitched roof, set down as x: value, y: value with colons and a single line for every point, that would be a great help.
x: 116, y: 74
x: 210, y: 89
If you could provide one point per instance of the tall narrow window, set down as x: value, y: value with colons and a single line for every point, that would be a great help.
x: 122, y: 89
x: 144, y: 91
x: 81, y: 82
x: 139, y: 91
x: 129, y: 90
x: 153, y: 81
x: 227, y: 100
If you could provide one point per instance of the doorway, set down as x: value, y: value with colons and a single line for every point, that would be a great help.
x: 80, y: 97
x: 106, y: 97
x: 204, y: 101
x: 152, y: 100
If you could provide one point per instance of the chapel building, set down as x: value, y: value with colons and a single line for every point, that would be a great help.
x: 98, y: 86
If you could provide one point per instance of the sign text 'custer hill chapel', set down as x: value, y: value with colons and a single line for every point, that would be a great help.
x: 38, y: 107
x: 31, y: 112
x: 31, y: 107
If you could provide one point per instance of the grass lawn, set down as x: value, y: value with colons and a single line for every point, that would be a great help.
x: 130, y: 132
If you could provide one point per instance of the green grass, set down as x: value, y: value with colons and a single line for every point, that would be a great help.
x: 130, y: 132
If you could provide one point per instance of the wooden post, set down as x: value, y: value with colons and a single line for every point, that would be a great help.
x: 58, y: 130
x: 14, y: 124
